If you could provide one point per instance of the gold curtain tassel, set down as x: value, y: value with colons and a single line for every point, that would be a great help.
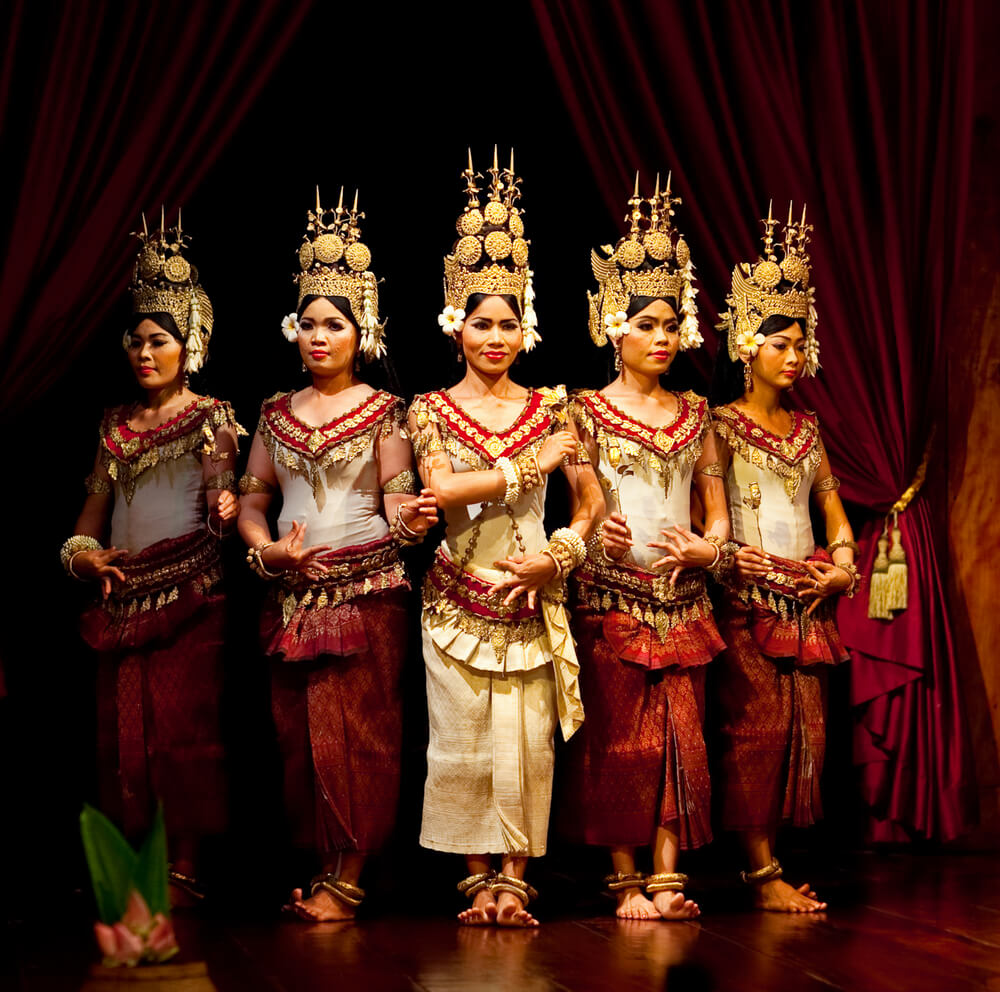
x: 896, y: 585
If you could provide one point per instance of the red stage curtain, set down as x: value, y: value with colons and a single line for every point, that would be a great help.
x: 130, y: 105
x: 864, y: 111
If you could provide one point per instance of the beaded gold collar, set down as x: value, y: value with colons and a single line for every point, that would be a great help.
x: 311, y: 450
x: 127, y: 453
x: 792, y: 457
x: 466, y: 438
x: 687, y: 427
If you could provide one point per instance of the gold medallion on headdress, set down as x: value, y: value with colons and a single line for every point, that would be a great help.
x: 652, y: 259
x: 491, y: 253
x: 164, y: 281
x: 757, y: 293
x: 334, y: 262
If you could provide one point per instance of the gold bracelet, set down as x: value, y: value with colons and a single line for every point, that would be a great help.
x: 75, y: 545
x: 256, y: 561
x: 512, y: 479
x: 528, y: 470
x: 402, y: 533
x: 845, y: 543
x: 566, y: 549
x: 852, y: 571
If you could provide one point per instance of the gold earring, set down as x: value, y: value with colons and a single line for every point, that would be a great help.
x: 618, y: 360
x: 747, y: 378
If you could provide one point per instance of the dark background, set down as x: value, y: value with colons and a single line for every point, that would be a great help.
x: 387, y: 101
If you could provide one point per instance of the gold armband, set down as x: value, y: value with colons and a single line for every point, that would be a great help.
x: 830, y: 484
x: 845, y: 543
x: 250, y: 484
x: 404, y: 483
x: 96, y: 484
x: 224, y: 480
x: 713, y: 469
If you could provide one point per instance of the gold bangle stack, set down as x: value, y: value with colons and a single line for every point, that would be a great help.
x: 401, y: 533
x: 852, y: 571
x: 256, y: 562
x: 350, y: 895
x: 74, y: 546
x: 474, y: 884
x: 666, y: 881
x: 761, y: 875
x: 528, y: 470
x: 566, y: 549
x: 724, y: 560
x: 512, y: 479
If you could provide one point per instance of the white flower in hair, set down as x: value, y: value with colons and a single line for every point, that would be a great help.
x: 451, y: 320
x: 616, y: 325
x: 290, y: 327
x: 749, y: 343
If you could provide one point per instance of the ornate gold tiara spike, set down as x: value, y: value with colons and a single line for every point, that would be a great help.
x: 757, y: 291
x: 491, y: 253
x: 333, y: 261
x: 651, y: 259
x: 164, y: 281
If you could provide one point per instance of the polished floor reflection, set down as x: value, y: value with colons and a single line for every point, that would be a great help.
x: 899, y: 922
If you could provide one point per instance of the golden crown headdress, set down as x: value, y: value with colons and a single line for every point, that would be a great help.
x: 163, y: 281
x: 652, y: 259
x: 757, y: 294
x: 334, y: 262
x: 491, y: 254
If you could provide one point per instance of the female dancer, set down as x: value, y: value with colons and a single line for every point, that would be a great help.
x: 642, y: 617
x: 499, y: 659
x: 335, y: 622
x: 778, y: 621
x: 159, y: 628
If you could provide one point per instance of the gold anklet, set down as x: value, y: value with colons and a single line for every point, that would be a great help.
x: 761, y: 875
x: 622, y: 880
x: 666, y: 881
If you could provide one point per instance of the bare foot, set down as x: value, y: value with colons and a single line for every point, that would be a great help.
x: 511, y: 912
x: 482, y: 912
x: 673, y: 906
x: 320, y: 908
x: 633, y: 905
x: 779, y: 897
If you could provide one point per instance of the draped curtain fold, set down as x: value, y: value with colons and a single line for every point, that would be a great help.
x: 129, y: 108
x: 864, y: 111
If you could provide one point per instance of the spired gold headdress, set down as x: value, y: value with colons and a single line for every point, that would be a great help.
x: 163, y: 281
x: 756, y: 295
x: 652, y: 259
x: 491, y: 254
x: 334, y: 262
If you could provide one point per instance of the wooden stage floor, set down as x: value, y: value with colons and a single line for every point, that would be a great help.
x: 898, y: 921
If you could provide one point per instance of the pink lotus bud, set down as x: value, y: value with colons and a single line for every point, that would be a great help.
x: 106, y: 939
x: 137, y: 916
x: 130, y: 946
x: 161, y: 942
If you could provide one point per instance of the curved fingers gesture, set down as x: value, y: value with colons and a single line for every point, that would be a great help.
x: 526, y: 575
x: 290, y: 554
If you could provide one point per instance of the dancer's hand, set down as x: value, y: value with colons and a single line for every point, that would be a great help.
x: 420, y: 514
x: 98, y: 565
x: 227, y: 507
x: 752, y: 563
x: 824, y: 580
x: 555, y: 450
x: 526, y: 576
x: 683, y: 548
x: 289, y: 555
x: 616, y: 536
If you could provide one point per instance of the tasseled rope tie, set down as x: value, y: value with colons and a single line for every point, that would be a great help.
x: 888, y: 588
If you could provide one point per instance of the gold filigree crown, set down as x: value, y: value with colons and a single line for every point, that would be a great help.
x: 757, y: 292
x: 334, y: 262
x: 652, y: 259
x: 491, y: 253
x: 164, y: 281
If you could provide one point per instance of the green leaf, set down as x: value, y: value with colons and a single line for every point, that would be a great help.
x: 150, y: 877
x: 111, y: 862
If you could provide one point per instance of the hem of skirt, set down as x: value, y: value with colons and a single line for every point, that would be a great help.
x: 448, y: 848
